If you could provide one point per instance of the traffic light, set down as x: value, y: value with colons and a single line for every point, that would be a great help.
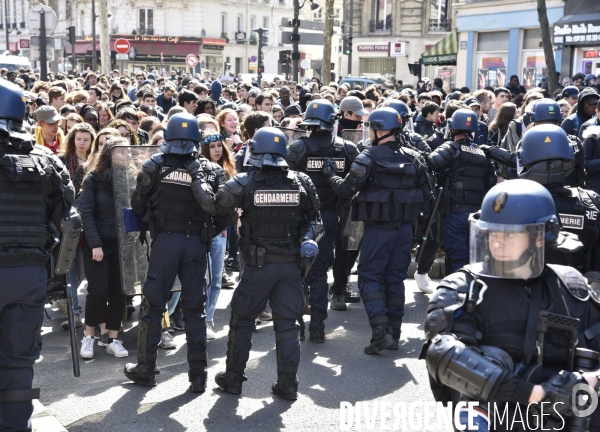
x: 72, y: 35
x: 347, y: 45
x: 264, y: 37
x: 285, y: 56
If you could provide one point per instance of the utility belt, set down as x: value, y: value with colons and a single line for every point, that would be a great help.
x: 258, y: 256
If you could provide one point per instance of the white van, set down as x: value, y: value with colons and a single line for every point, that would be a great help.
x: 11, y: 62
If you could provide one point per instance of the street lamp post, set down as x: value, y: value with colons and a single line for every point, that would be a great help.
x: 6, y: 23
x: 94, y: 51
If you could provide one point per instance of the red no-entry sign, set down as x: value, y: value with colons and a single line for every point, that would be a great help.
x: 122, y: 46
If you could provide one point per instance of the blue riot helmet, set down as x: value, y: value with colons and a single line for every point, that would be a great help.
x: 268, y: 148
x: 381, y: 119
x: 589, y: 80
x: 508, y: 234
x: 546, y: 110
x: 463, y: 120
x: 320, y: 113
x: 182, y: 135
x: 545, y: 155
x: 12, y: 112
x: 400, y: 107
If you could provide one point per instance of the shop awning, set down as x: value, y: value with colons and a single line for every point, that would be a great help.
x: 86, y: 47
x: 581, y: 29
x: 150, y: 48
x: 442, y: 53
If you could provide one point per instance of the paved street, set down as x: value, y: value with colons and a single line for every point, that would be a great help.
x: 103, y: 400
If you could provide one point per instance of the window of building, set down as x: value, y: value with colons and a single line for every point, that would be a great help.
x: 252, y: 22
x: 492, y: 59
x: 336, y: 13
x: 438, y: 16
x: 223, y: 24
x: 68, y: 6
x: 266, y: 22
x: 23, y: 10
x: 381, y: 65
x: 383, y: 10
x: 240, y: 27
x: 533, y: 61
x: 318, y: 14
x: 146, y: 21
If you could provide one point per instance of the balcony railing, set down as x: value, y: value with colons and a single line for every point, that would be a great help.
x: 380, y: 25
x: 145, y: 31
x: 440, y: 25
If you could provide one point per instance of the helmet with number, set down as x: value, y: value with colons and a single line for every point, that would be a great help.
x: 590, y: 79
x: 508, y: 234
x: 463, y: 120
x: 320, y: 113
x: 545, y: 155
x: 12, y: 112
x: 182, y: 135
x: 268, y: 148
x: 546, y: 110
x: 385, y: 119
x: 400, y: 107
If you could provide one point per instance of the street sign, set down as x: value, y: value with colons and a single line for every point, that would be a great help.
x: 305, y: 64
x: 35, y: 41
x: 305, y: 38
x: 34, y: 22
x: 304, y: 25
x: 24, y: 44
x: 122, y: 46
x: 191, y: 60
x: 121, y: 56
x: 253, y: 59
x: 34, y: 53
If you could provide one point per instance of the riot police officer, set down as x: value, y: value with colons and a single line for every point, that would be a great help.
x: 280, y: 224
x: 36, y: 193
x: 307, y: 155
x: 180, y: 233
x: 502, y: 328
x: 393, y: 189
x: 466, y: 175
x: 545, y: 155
x: 407, y: 137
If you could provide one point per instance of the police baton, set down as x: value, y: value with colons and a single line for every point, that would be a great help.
x: 438, y: 199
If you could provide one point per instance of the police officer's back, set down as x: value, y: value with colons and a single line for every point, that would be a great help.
x: 407, y: 137
x: 280, y: 219
x: 393, y: 188
x: 508, y: 323
x: 307, y: 155
x: 181, y: 233
x: 466, y: 175
x: 35, y: 191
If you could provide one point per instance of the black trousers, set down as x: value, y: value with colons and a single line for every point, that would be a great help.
x: 104, y: 282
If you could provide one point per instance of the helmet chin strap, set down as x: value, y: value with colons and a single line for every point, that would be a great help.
x: 377, y: 138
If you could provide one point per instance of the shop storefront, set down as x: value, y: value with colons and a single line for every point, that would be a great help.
x: 439, y: 61
x: 490, y: 51
x: 578, y: 31
x: 373, y: 60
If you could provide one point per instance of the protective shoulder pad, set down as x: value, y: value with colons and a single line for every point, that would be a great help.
x: 451, y: 290
x: 574, y: 281
x: 153, y: 162
x: 351, y: 149
x: 238, y: 183
x: 297, y: 149
x: 364, y: 158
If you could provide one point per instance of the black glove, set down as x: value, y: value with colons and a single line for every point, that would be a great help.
x: 558, y: 393
x: 192, y: 166
x: 328, y: 169
x: 486, y: 149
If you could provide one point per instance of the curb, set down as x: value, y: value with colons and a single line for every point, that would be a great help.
x: 437, y: 270
x: 42, y: 419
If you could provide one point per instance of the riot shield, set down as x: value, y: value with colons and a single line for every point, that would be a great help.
x: 292, y: 134
x: 352, y: 135
x: 126, y: 162
x: 353, y: 231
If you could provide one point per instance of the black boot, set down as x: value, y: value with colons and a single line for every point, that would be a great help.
x: 317, y: 331
x: 338, y: 302
x: 286, y: 386
x: 143, y: 373
x: 230, y: 381
x: 197, y: 376
x: 396, y: 337
x: 381, y: 337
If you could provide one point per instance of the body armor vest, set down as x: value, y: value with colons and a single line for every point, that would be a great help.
x: 273, y: 216
x: 391, y: 193
x: 321, y: 147
x: 174, y: 206
x: 578, y: 214
x: 25, y: 183
x: 466, y: 179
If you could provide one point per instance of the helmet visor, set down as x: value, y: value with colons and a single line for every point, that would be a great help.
x: 366, y: 134
x: 506, y: 251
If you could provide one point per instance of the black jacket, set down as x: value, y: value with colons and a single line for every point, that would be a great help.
x: 591, y: 149
x: 572, y: 123
x: 97, y: 208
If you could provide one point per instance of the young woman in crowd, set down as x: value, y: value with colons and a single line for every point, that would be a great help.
x: 104, y: 114
x: 101, y: 250
x: 214, y: 149
x: 69, y: 121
